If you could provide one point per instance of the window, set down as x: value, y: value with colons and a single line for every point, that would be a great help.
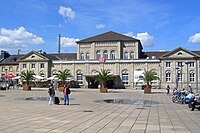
x: 180, y: 76
x: 32, y: 65
x: 80, y: 78
x: 192, y: 76
x: 17, y: 68
x: 42, y: 73
x: 87, y: 56
x: 125, y: 55
x: 168, y: 77
x: 82, y: 56
x: 112, y: 55
x: 2, y: 69
x: 125, y: 78
x: 42, y: 65
x: 191, y: 64
x: 23, y: 65
x: 132, y: 55
x: 105, y: 54
x: 98, y: 54
x: 168, y: 64
x: 10, y: 69
x: 180, y: 64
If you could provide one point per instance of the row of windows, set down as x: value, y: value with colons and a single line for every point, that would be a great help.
x: 112, y: 54
x: 33, y: 65
x: 180, y: 77
x: 179, y: 64
x: 10, y: 69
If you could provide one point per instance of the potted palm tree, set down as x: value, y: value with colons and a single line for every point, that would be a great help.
x: 102, y: 77
x: 27, y: 76
x: 148, y: 77
x: 62, y: 76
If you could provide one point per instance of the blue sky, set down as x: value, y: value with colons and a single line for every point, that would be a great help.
x: 160, y: 24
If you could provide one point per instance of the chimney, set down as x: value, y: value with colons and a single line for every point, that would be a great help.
x: 59, y: 41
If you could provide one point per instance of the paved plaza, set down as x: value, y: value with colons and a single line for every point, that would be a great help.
x: 88, y: 113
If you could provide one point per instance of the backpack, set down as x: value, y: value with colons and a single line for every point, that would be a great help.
x: 68, y: 91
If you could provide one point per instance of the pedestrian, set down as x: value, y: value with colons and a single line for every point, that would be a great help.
x: 190, y: 88
x: 51, y: 92
x: 168, y: 88
x: 66, y: 93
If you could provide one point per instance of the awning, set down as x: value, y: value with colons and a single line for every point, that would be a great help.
x: 10, y: 75
x: 18, y: 77
x: 52, y: 78
x: 38, y: 77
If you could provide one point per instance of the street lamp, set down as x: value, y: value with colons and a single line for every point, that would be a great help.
x: 187, y: 72
x: 196, y: 59
x: 177, y: 77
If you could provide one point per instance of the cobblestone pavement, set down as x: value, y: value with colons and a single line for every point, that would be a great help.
x: 87, y: 113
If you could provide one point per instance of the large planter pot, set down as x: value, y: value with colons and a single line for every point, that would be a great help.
x: 147, y: 89
x: 26, y: 88
x: 103, y: 90
x: 61, y: 88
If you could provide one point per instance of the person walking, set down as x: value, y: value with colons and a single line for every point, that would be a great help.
x: 51, y: 92
x: 66, y: 93
x: 168, y: 88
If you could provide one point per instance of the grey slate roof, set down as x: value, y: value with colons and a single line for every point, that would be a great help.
x: 11, y: 60
x: 108, y: 36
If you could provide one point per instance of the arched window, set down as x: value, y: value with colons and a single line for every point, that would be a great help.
x: 125, y: 77
x: 81, y: 56
x: 125, y: 55
x: 168, y: 76
x: 131, y: 55
x: 105, y: 54
x: 192, y: 76
x: 87, y: 56
x: 98, y: 54
x: 112, y: 55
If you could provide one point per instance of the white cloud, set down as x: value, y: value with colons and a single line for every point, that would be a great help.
x: 68, y: 42
x: 195, y: 38
x: 17, y: 39
x: 66, y: 12
x: 145, y: 38
x: 100, y: 26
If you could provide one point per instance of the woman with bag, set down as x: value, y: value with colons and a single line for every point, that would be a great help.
x: 66, y: 93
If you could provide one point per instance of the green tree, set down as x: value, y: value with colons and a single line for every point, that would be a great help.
x: 149, y: 76
x: 103, y: 76
x: 27, y: 76
x: 63, y: 75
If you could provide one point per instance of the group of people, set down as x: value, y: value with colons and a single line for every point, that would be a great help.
x: 66, y: 92
x: 187, y: 96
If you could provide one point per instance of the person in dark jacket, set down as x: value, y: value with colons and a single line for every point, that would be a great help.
x: 51, y: 92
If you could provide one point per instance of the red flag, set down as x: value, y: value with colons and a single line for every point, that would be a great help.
x: 102, y: 59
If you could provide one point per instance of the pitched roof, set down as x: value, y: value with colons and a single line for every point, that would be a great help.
x: 108, y: 36
x: 63, y: 56
x: 11, y: 60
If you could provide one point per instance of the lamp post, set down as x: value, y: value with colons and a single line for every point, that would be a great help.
x: 187, y: 72
x: 196, y: 59
x: 177, y: 77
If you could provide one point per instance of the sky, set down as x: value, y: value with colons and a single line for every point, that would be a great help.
x: 28, y: 25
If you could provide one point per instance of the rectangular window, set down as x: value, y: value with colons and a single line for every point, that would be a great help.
x: 42, y: 65
x: 192, y: 76
x: 10, y: 69
x: 24, y: 66
x: 80, y: 79
x: 168, y: 77
x: 179, y: 77
x: 32, y: 65
x: 191, y: 64
x: 125, y: 78
x: 168, y: 64
x: 180, y: 64
x: 17, y: 68
x: 3, y: 69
